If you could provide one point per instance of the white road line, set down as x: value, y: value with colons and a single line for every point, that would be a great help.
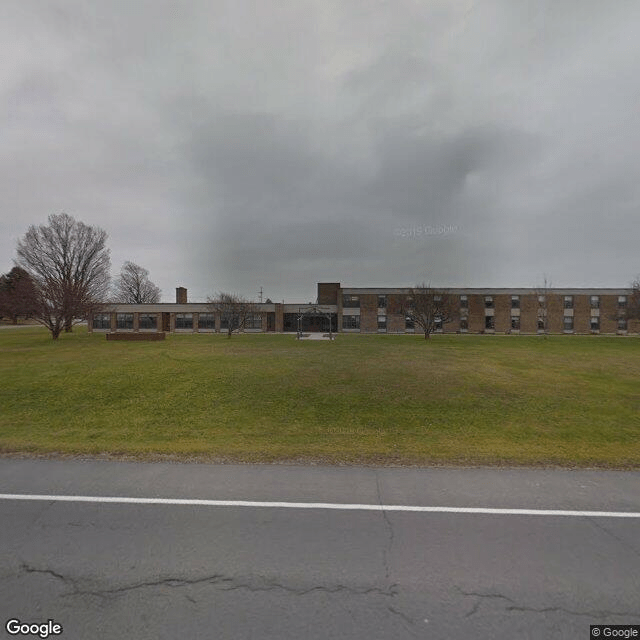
x: 324, y: 505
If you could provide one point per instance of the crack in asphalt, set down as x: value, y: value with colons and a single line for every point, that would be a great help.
x: 591, y: 614
x: 480, y: 597
x: 225, y: 582
x: 303, y: 592
x: 28, y: 569
x: 387, y: 550
x: 516, y: 607
x: 404, y: 617
x: 624, y: 543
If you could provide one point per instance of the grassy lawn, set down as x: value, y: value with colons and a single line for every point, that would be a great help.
x: 567, y: 400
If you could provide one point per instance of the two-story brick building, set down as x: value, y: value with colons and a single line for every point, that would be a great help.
x: 380, y: 310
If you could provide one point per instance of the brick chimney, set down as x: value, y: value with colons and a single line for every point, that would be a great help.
x: 181, y: 295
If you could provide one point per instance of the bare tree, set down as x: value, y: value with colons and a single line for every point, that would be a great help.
x: 428, y: 308
x: 134, y: 287
x: 633, y: 311
x: 234, y: 311
x: 18, y: 296
x: 69, y: 264
x: 543, y: 297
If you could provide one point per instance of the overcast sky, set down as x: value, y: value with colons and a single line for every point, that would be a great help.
x: 237, y: 145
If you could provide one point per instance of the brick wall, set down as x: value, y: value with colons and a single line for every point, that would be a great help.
x: 368, y: 313
x: 476, y: 313
x: 608, y: 312
x: 328, y: 292
x: 502, y: 313
x: 529, y: 313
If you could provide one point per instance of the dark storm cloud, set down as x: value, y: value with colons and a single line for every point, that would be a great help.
x: 239, y: 145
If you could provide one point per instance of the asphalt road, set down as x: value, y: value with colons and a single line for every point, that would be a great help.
x: 112, y: 570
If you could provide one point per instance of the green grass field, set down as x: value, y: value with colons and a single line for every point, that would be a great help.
x: 566, y: 400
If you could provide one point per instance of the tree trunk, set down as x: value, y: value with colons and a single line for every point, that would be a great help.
x: 427, y: 335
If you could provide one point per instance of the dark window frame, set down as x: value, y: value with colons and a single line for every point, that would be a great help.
x: 253, y: 321
x: 181, y: 321
x: 203, y: 320
x: 351, y: 321
x: 124, y: 321
x: 98, y: 321
x: 141, y: 322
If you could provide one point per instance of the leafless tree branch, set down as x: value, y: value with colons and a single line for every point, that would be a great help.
x: 134, y: 287
x: 69, y: 264
x: 234, y: 311
x: 429, y: 308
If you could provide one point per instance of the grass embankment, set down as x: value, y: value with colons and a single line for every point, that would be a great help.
x: 567, y: 400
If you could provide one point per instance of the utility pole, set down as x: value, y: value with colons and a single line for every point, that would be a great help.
x: 260, y: 295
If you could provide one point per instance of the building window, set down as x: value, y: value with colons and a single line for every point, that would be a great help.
x: 568, y: 302
x: 253, y: 321
x: 350, y: 322
x: 595, y: 323
x: 147, y: 321
x: 622, y: 301
x: 464, y: 302
x: 382, y: 323
x: 595, y: 302
x: 464, y: 324
x: 382, y: 302
x: 206, y: 321
x: 184, y: 320
x: 515, y: 302
x: 488, y: 302
x: 540, y: 324
x: 409, y: 324
x: 622, y: 324
x: 124, y: 320
x: 515, y: 323
x: 489, y: 322
x: 568, y: 323
x: 350, y: 301
x: 437, y: 324
x: 102, y: 321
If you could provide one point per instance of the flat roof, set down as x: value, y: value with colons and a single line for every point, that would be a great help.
x: 490, y: 291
